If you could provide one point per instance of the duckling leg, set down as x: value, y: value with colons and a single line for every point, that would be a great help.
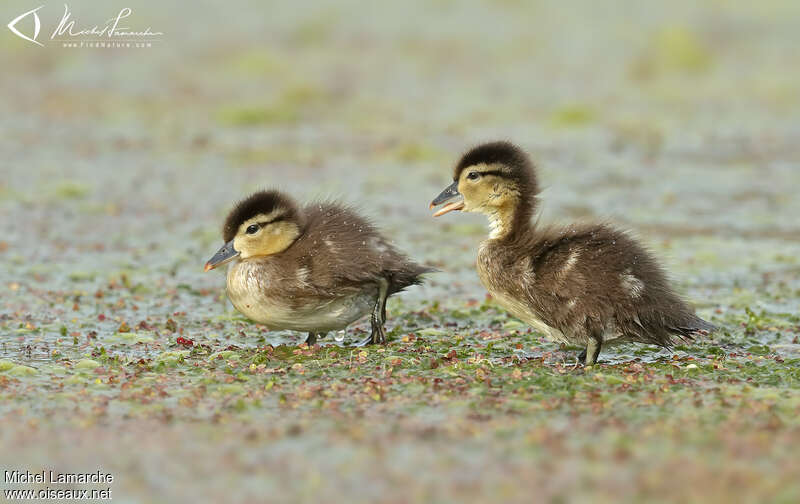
x: 312, y: 339
x: 592, y: 351
x: 378, y: 317
x: 384, y: 297
x: 378, y: 334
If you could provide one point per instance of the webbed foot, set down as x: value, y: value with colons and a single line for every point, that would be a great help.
x: 378, y: 335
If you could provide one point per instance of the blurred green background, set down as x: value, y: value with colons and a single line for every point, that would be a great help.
x: 678, y: 120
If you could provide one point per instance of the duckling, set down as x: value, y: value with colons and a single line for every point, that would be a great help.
x: 315, y: 269
x: 586, y: 285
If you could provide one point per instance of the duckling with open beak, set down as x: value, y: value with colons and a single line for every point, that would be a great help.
x: 314, y: 269
x: 585, y: 285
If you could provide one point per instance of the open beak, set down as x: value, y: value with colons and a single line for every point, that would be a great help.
x: 224, y: 255
x: 450, y: 198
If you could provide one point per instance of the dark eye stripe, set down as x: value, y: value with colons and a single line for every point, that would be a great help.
x: 497, y: 173
x: 267, y: 222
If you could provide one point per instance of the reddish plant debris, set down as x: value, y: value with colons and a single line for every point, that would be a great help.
x: 184, y: 341
x: 451, y: 357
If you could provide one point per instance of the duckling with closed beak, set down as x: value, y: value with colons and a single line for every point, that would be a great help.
x: 585, y: 285
x: 314, y: 269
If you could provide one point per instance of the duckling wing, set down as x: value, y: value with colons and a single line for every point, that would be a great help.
x: 600, y: 279
x: 342, y: 250
x: 543, y: 283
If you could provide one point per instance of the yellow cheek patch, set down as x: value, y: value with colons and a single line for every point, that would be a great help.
x: 272, y: 239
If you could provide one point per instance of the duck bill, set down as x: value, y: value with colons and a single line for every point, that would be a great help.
x: 224, y: 255
x: 450, y: 198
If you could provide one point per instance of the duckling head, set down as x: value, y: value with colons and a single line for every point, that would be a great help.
x: 496, y: 179
x: 263, y: 224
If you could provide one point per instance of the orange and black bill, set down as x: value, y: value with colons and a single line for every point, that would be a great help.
x: 224, y: 255
x: 450, y: 198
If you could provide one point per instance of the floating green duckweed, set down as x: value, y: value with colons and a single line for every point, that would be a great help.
x: 22, y: 371
x: 131, y: 338
x: 172, y: 357
x: 225, y: 355
x: 87, y: 364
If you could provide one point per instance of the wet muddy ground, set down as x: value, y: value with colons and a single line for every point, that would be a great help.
x: 119, y: 353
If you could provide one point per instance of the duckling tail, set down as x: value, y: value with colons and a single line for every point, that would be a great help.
x: 692, y: 325
x: 408, y: 275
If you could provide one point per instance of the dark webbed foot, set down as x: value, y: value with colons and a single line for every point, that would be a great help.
x: 377, y: 336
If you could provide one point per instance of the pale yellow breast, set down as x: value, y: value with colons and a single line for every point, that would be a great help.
x: 249, y: 292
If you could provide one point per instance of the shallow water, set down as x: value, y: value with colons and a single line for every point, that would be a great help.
x: 676, y: 121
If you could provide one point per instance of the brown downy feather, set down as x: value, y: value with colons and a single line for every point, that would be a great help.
x: 342, y: 246
x: 591, y: 279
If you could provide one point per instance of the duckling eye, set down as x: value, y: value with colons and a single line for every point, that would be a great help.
x: 473, y: 175
x: 252, y: 229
